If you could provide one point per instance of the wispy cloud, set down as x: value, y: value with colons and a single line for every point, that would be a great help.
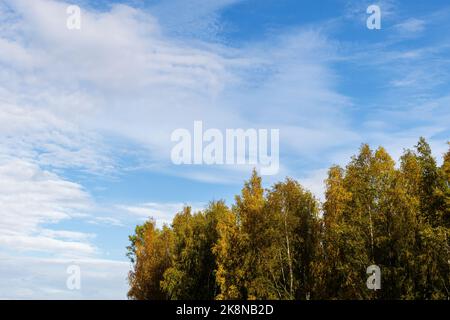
x: 46, y: 278
x: 31, y: 197
x: 161, y: 213
x: 410, y: 26
x: 120, y: 68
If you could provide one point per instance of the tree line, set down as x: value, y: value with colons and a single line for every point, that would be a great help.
x: 282, y: 243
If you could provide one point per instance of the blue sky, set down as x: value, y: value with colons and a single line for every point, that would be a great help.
x: 86, y: 115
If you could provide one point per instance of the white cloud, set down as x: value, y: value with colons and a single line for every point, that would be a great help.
x: 314, y: 182
x: 120, y: 68
x: 32, y: 203
x: 44, y: 278
x: 162, y: 213
x: 194, y: 18
x: 112, y: 221
x: 65, y: 234
x: 31, y: 197
x: 409, y: 26
x: 39, y: 136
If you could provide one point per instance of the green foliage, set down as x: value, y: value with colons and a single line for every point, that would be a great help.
x: 192, y: 273
x: 281, y: 243
x: 295, y: 245
x: 150, y: 253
